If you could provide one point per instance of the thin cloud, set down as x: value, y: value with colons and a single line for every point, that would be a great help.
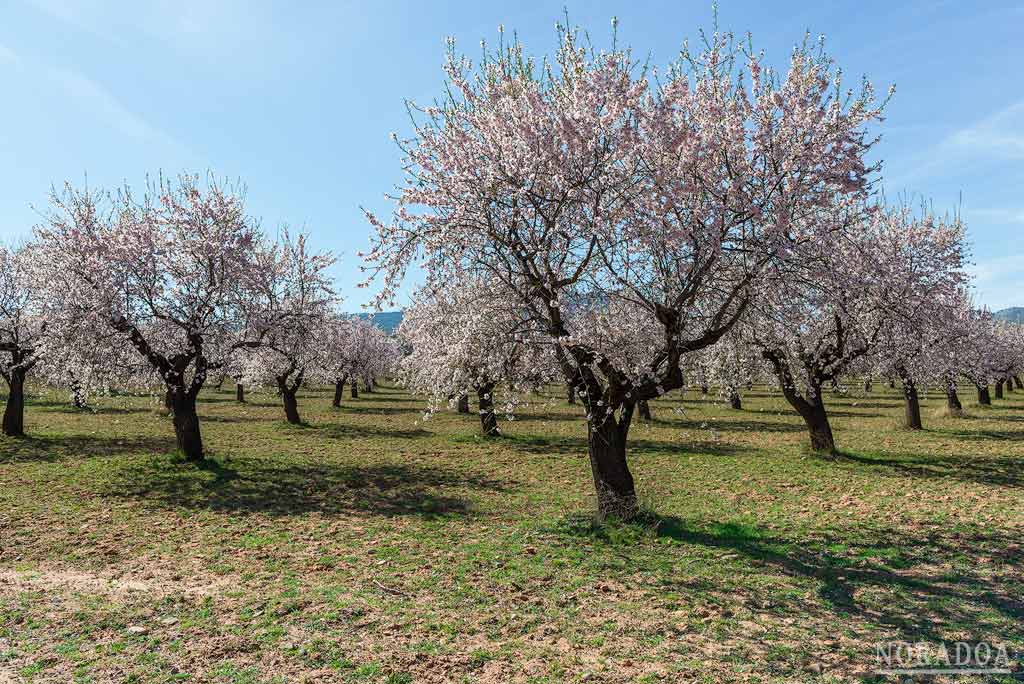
x: 8, y: 55
x: 998, y: 215
x: 98, y: 101
x: 1001, y: 134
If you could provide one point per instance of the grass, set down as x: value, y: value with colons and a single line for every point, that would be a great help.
x: 373, y: 546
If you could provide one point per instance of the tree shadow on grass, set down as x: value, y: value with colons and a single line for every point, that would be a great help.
x: 52, y: 449
x: 270, y: 487
x: 635, y: 448
x: 378, y: 410
x: 990, y: 470
x: 733, y: 425
x: 909, y: 594
x: 348, y: 431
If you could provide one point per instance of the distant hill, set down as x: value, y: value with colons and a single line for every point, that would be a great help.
x: 388, y: 321
x: 1014, y: 314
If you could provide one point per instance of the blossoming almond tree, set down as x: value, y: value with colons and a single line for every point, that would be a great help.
x: 468, y: 338
x: 876, y: 273
x: 175, y: 272
x: 22, y: 330
x: 298, y: 300
x: 579, y: 183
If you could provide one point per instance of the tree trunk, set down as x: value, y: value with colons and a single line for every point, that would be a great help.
x: 735, y: 401
x: 288, y: 398
x: 571, y: 394
x: 645, y: 410
x: 815, y: 417
x: 892, y: 383
x: 867, y: 385
x: 367, y: 385
x: 77, y: 395
x: 169, y: 401
x: 485, y: 404
x: 355, y: 389
x: 186, y: 423
x: 1009, y: 384
x: 953, y: 404
x: 912, y: 406
x: 239, y: 393
x: 339, y: 390
x: 14, y: 412
x: 999, y: 389
x: 1016, y: 379
x: 606, y: 441
x: 220, y: 383
x: 983, y: 396
x: 463, y: 403
x: 704, y: 390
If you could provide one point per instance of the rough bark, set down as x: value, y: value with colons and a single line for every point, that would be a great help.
x: 953, y: 405
x: 999, y: 389
x: 984, y: 398
x: 289, y: 391
x: 339, y: 390
x: 912, y: 406
x: 186, y: 423
x: 606, y: 441
x: 485, y: 406
x: 239, y: 393
x: 645, y: 410
x: 735, y: 401
x: 463, y: 403
x: 14, y: 411
x: 571, y: 391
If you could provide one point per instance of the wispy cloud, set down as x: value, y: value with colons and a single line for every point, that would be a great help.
x: 998, y: 215
x: 91, y: 96
x: 999, y: 281
x: 8, y: 55
x: 1001, y: 134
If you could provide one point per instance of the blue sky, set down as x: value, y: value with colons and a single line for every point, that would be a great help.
x: 298, y: 98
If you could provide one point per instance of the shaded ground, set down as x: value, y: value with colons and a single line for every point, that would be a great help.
x: 373, y: 546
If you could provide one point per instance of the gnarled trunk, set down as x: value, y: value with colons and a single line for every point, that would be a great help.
x: 953, y: 405
x: 485, y: 405
x: 983, y: 396
x: 186, y: 423
x: 606, y: 442
x: 239, y: 393
x: 735, y: 401
x: 339, y: 390
x: 813, y: 412
x: 289, y: 399
x: 14, y: 411
x: 644, y: 409
x: 912, y: 406
x: 463, y: 403
x: 999, y: 389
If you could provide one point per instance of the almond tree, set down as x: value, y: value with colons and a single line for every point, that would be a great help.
x: 22, y: 330
x: 176, y: 272
x: 580, y: 183
x: 871, y: 281
x: 298, y: 300
x: 467, y: 339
